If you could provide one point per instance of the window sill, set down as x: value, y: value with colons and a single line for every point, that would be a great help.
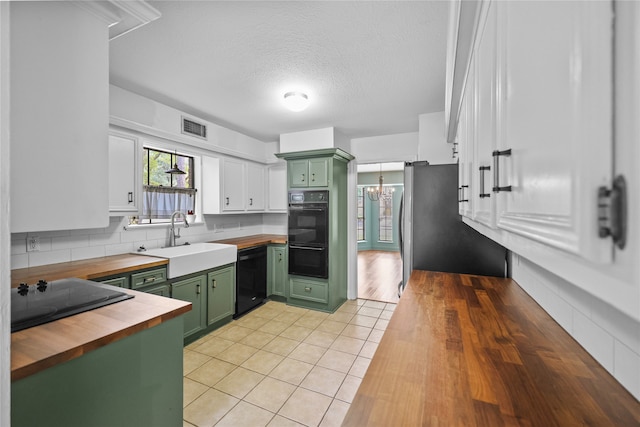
x: 160, y: 225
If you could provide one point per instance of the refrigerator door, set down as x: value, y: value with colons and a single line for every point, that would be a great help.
x: 440, y: 241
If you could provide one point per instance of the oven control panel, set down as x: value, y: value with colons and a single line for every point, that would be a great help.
x: 309, y: 196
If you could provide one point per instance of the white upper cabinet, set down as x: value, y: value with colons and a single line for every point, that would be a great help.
x: 232, y: 186
x: 256, y: 186
x: 554, y: 115
x: 124, y: 174
x: 483, y: 84
x: 465, y: 150
x: 59, y: 82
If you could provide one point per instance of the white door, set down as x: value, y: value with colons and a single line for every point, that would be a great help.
x: 233, y: 194
x: 123, y: 171
x: 555, y: 112
x: 256, y: 185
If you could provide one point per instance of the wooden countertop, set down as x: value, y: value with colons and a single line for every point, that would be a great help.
x: 87, y: 269
x: 465, y: 350
x: 41, y: 347
x: 255, y: 240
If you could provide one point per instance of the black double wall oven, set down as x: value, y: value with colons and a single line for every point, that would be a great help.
x: 309, y: 233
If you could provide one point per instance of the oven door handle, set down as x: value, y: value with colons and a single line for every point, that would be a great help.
x: 306, y: 248
x: 302, y: 208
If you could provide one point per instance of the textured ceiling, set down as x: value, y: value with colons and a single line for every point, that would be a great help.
x: 369, y: 67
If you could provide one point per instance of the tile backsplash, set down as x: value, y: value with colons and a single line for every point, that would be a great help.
x: 73, y: 245
x: 611, y: 337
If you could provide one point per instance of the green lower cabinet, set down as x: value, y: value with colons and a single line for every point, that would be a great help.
x: 277, y: 271
x: 121, y: 282
x: 193, y: 290
x: 132, y: 382
x: 220, y: 295
x: 161, y: 290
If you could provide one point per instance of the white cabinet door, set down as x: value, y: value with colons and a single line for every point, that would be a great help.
x: 555, y: 63
x: 233, y: 185
x: 124, y: 174
x: 256, y: 185
x: 465, y: 153
x: 483, y: 201
x: 59, y: 120
x: 277, y: 188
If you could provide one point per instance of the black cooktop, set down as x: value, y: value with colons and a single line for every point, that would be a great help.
x: 45, y: 302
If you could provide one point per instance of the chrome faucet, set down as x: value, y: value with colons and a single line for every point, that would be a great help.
x: 173, y: 235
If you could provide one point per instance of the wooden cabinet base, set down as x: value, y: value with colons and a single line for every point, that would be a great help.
x: 136, y: 381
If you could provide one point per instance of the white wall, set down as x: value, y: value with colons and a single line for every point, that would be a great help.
x: 386, y: 148
x: 315, y: 139
x: 432, y: 145
x: 5, y: 268
x: 73, y: 245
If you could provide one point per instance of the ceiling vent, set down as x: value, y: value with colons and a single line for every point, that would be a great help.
x: 189, y: 127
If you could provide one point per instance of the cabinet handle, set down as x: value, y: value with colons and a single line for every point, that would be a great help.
x: 214, y: 284
x: 130, y: 196
x: 227, y: 201
x: 313, y: 177
x: 302, y: 177
x: 461, y: 194
x: 307, y: 289
x: 496, y: 170
x: 279, y: 257
x: 454, y: 152
x: 148, y: 280
x: 197, y: 289
x: 482, y: 193
x: 250, y: 202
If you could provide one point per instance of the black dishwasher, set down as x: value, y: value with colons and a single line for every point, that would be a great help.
x: 251, y: 279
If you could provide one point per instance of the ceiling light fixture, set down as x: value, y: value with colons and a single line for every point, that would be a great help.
x: 296, y: 101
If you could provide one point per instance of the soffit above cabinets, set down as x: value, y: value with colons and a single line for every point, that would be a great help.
x: 122, y: 16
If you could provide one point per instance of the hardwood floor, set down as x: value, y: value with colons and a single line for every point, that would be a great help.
x: 379, y: 273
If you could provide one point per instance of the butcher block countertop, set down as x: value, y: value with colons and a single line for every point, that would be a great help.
x: 41, y: 347
x: 255, y: 240
x: 465, y: 350
x: 87, y: 269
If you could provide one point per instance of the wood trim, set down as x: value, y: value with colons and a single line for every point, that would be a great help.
x: 255, y: 240
x: 478, y: 351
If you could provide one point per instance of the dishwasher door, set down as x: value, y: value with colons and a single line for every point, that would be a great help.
x: 251, y: 279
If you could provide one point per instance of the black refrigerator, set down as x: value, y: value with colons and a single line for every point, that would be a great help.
x: 433, y: 236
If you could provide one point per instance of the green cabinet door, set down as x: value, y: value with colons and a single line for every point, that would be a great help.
x: 318, y: 172
x: 277, y: 265
x: 121, y: 282
x: 194, y: 291
x: 221, y: 286
x: 298, y: 173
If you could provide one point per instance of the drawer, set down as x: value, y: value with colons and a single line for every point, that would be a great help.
x: 147, y: 278
x: 309, y: 290
x: 121, y: 282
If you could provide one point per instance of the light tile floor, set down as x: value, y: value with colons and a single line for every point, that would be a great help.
x: 282, y: 366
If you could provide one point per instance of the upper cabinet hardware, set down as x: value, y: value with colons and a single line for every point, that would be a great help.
x: 313, y: 177
x: 496, y: 170
x: 130, y: 196
x: 250, y: 202
x: 461, y: 194
x: 302, y: 177
x: 227, y: 201
x: 482, y: 193
x: 612, y: 212
x: 197, y: 289
x: 214, y: 284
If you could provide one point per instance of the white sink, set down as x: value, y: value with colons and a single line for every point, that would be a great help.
x: 196, y: 257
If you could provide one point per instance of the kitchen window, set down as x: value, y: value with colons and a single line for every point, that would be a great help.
x: 164, y: 193
x: 361, y: 234
x: 386, y: 219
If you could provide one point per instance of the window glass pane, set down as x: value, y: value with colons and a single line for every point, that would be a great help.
x: 386, y: 220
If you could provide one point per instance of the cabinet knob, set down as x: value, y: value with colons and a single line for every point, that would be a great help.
x: 214, y: 284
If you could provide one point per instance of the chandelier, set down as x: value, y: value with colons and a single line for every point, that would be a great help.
x: 380, y: 192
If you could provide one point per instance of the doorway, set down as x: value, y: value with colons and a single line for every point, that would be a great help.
x: 379, y: 193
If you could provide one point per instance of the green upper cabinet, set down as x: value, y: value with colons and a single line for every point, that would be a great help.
x: 220, y: 294
x: 309, y: 173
